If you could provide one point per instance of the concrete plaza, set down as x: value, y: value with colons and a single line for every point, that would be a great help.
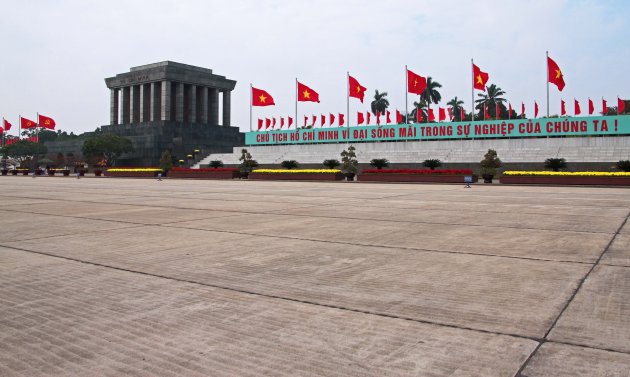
x: 112, y: 277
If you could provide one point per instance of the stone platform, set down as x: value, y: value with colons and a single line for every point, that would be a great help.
x: 110, y: 277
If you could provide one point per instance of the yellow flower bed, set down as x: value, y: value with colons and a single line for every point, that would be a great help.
x: 134, y: 170
x: 298, y: 171
x: 567, y: 174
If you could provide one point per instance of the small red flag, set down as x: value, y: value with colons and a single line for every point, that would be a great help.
x: 305, y: 120
x: 442, y: 114
x: 462, y: 114
x: 535, y: 109
x: 267, y: 123
x: 577, y: 110
x: 7, y: 125
x: 369, y: 115
x: 11, y: 141
x: 27, y: 123
x: 323, y: 120
x: 399, y: 118
x: 604, y: 107
x: 46, y: 122
x: 360, y: 118
x: 273, y: 125
x: 563, y: 108
x: 509, y: 110
x: 621, y: 106
x: 281, y: 122
x: 497, y: 110
x: 378, y: 118
x: 33, y: 139
x: 523, y: 109
x: 479, y: 78
x: 306, y: 94
x: 431, y: 116
x: 591, y: 107
x: 389, y: 117
x: 555, y: 74
x: 486, y: 115
x: 356, y: 89
x: 341, y: 120
x: 260, y: 124
x: 261, y: 98
x: 415, y: 83
x: 290, y: 122
x: 314, y: 120
x: 332, y: 119
x: 1, y: 130
x: 418, y: 115
x: 450, y: 113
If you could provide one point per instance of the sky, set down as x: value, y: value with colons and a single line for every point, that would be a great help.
x: 56, y: 54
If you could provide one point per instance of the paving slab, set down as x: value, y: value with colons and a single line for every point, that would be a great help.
x: 506, y: 295
x: 484, y: 240
x: 599, y: 316
x: 62, y: 318
x: 619, y: 252
x: 560, y: 360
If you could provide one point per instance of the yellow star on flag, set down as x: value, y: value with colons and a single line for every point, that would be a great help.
x: 358, y: 88
x: 307, y: 94
x: 262, y: 98
x: 558, y: 73
x: 415, y: 83
x: 479, y: 79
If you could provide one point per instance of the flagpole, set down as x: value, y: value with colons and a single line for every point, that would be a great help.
x: 472, y: 91
x: 547, y: 54
x: 406, y: 95
x: 296, y: 101
x: 250, y: 107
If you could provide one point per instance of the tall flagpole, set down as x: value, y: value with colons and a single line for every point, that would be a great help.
x: 547, y: 54
x: 472, y: 91
x: 406, y: 94
x: 296, y: 101
x: 348, y: 98
x: 250, y: 107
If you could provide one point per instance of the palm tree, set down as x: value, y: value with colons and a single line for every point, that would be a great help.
x: 491, y: 97
x: 380, y: 103
x: 456, y: 104
x: 418, y: 105
x: 431, y: 94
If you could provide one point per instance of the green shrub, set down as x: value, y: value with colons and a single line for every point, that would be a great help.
x: 623, y: 165
x: 216, y: 164
x: 432, y: 163
x: 379, y: 163
x: 555, y: 164
x: 331, y: 164
x: 289, y: 164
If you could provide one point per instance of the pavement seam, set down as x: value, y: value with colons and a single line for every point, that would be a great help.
x: 570, y: 300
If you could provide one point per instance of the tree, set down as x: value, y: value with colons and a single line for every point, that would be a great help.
x: 431, y: 94
x: 491, y: 97
x: 380, y: 103
x: 456, y: 104
x: 216, y: 164
x: 289, y: 164
x: 432, y: 163
x: 418, y: 106
x: 23, y: 150
x: 555, y: 164
x: 379, y: 163
x: 490, y: 163
x: 109, y: 146
x: 331, y: 164
x: 166, y: 161
x: 349, y: 160
x: 247, y: 162
x: 623, y: 165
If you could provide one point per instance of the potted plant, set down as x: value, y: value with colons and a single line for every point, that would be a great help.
x: 247, y: 163
x: 555, y: 164
x: 289, y: 164
x: 489, y: 165
x: 331, y: 164
x: 216, y: 164
x: 432, y: 163
x: 623, y: 165
x: 349, y: 162
x: 379, y: 163
x: 98, y: 167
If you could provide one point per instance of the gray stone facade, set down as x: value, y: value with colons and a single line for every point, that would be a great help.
x: 171, y: 106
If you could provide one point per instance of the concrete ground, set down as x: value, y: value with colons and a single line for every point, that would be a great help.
x: 112, y: 277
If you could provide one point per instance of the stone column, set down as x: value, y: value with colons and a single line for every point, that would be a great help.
x: 179, y: 102
x: 113, y: 106
x: 214, y: 106
x: 226, y: 108
x: 126, y: 92
x: 193, y: 104
x: 165, y: 108
x: 153, y: 103
x: 135, y: 104
x: 204, y: 105
x: 143, y: 96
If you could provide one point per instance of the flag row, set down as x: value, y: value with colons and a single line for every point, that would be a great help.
x: 25, y: 123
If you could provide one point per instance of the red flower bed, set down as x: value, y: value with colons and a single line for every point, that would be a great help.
x: 420, y: 171
x: 205, y: 173
x: 203, y: 169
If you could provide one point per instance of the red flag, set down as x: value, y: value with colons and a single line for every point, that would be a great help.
x: 415, y: 83
x: 11, y: 141
x: 604, y: 107
x: 267, y: 123
x: 7, y: 125
x: 462, y: 114
x: 563, y: 109
x: 621, y: 106
x: 273, y: 125
x: 577, y: 110
x: 260, y: 124
x: 360, y: 118
x: 369, y: 115
x: 46, y: 122
x: 479, y: 78
x: 27, y: 123
x: 341, y: 120
x: 281, y: 122
x: 356, y: 89
x: 1, y: 130
x: 523, y: 109
x: 323, y: 120
x: 389, y: 117
x: 399, y: 118
x: 450, y: 113
x: 305, y: 120
x: 332, y: 119
x: 314, y: 118
x: 591, y: 107
x: 418, y: 115
x: 378, y: 118
x: 306, y: 94
x: 431, y: 116
x: 290, y: 122
x: 441, y: 114
x: 261, y: 98
x: 555, y: 74
x: 497, y: 110
x: 535, y: 109
x: 33, y: 139
x: 509, y: 110
x: 486, y: 115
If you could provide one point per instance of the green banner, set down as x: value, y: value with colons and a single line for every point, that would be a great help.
x: 516, y: 128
